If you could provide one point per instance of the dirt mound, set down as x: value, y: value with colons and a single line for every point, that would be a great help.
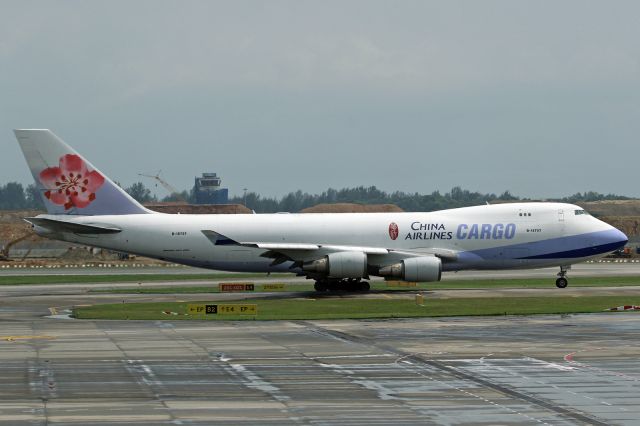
x: 184, y: 208
x: 13, y: 226
x: 612, y: 207
x: 352, y: 208
x: 628, y: 224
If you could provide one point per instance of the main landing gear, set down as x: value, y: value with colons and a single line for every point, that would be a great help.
x: 352, y: 284
x: 562, y: 281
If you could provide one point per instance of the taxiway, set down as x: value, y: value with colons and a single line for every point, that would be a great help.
x: 552, y: 370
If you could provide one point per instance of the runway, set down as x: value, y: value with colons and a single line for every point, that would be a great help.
x: 549, y: 370
x: 597, y: 268
x: 528, y: 370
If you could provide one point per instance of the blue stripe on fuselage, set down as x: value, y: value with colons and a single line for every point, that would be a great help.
x: 574, y: 246
x: 580, y: 252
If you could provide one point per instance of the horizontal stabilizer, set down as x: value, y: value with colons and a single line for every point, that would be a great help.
x: 54, y: 225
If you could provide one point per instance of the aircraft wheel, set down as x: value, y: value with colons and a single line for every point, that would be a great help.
x: 320, y: 286
x: 333, y: 285
x: 364, y: 286
x: 561, y: 282
x: 351, y: 285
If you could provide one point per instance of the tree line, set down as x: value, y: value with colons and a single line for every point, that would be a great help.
x: 411, y: 202
x: 14, y: 196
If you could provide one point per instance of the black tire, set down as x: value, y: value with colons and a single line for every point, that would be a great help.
x: 334, y: 285
x: 561, y: 282
x: 364, y: 286
x: 351, y: 286
x: 319, y: 286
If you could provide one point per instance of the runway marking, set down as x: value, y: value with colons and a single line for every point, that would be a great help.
x: 569, y: 359
x: 256, y: 382
x: 14, y: 338
x: 524, y: 377
x: 481, y: 397
x: 303, y: 357
x: 549, y: 364
x: 495, y: 404
x: 386, y: 393
x: 355, y: 356
x: 460, y: 374
x: 607, y: 372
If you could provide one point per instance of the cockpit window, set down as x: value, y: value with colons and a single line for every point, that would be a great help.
x: 579, y: 212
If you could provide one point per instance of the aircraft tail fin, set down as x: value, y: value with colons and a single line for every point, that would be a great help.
x: 68, y: 183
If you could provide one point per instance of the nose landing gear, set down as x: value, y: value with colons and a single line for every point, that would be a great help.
x: 562, y: 281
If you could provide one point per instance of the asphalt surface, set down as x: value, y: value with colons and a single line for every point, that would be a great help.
x: 597, y: 268
x: 572, y: 369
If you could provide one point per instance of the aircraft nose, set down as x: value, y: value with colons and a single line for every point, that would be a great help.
x: 618, y: 237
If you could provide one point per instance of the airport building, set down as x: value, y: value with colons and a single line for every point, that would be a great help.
x: 208, y: 190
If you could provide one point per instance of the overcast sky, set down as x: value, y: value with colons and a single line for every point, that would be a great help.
x: 541, y: 98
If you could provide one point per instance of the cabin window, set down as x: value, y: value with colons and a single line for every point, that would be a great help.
x: 579, y: 212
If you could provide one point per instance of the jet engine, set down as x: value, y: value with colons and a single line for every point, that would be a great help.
x: 343, y: 264
x: 418, y: 269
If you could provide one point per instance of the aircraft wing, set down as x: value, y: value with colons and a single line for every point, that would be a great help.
x: 305, y: 252
x: 306, y: 247
x: 446, y: 255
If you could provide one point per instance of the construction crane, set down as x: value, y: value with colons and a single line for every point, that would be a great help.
x: 166, y: 185
x: 4, y: 251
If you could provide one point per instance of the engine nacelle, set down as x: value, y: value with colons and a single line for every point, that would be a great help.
x: 343, y: 264
x: 418, y: 269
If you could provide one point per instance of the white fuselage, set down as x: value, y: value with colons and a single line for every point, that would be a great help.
x: 502, y: 236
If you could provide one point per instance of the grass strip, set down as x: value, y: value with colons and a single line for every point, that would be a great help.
x: 535, y: 282
x: 442, y: 285
x: 344, y: 308
x: 122, y: 278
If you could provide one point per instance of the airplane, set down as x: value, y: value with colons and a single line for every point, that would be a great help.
x: 340, y: 251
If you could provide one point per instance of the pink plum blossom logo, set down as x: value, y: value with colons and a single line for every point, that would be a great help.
x: 393, y: 230
x: 71, y: 184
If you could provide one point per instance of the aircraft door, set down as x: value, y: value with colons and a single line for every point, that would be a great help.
x: 560, y: 215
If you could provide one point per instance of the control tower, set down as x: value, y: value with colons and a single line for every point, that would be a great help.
x: 208, y: 190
